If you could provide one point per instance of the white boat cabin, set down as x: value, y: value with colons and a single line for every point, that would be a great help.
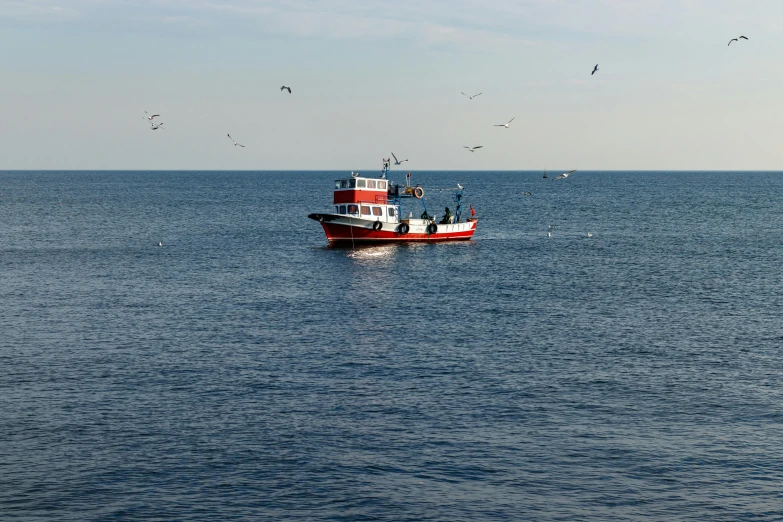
x: 364, y: 198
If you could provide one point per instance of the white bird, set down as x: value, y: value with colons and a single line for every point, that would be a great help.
x: 149, y: 117
x: 396, y: 161
x: 232, y: 139
x: 160, y: 243
x: 506, y: 124
x: 549, y: 232
x: 566, y: 174
x: 459, y: 186
x: 472, y: 149
x: 469, y: 96
x: 589, y: 234
x: 156, y: 126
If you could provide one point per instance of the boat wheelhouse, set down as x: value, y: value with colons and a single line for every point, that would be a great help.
x: 368, y: 210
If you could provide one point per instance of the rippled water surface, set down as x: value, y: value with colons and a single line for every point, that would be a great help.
x: 245, y: 371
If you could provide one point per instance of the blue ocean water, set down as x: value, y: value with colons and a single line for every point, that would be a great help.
x: 246, y: 371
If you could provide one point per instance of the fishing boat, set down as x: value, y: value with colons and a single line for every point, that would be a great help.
x: 370, y: 210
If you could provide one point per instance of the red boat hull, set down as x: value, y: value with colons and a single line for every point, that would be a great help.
x: 342, y: 233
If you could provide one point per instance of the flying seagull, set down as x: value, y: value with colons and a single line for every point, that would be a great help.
x: 506, y: 124
x: 284, y: 88
x: 564, y: 175
x: 149, y: 117
x: 156, y: 126
x: 469, y: 96
x: 737, y: 40
x: 594, y: 69
x: 232, y: 139
x: 472, y: 149
x: 396, y: 161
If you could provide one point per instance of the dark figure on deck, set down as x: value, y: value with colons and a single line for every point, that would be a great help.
x: 446, y: 217
x: 424, y: 215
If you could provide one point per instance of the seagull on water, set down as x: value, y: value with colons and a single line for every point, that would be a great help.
x: 149, y: 117
x: 594, y: 69
x: 160, y: 243
x: 507, y: 123
x: 396, y: 161
x: 549, y: 232
x: 564, y: 175
x: 232, y: 139
x: 469, y: 96
x: 589, y: 234
x: 284, y: 88
x: 472, y: 149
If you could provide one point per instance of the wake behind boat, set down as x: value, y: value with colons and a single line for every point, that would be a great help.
x: 369, y: 210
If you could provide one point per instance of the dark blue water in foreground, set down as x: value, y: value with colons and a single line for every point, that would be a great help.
x: 244, y: 371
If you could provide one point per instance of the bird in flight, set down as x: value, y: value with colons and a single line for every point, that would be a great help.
x: 149, y: 117
x: 594, y: 69
x: 472, y: 149
x: 156, y: 126
x: 507, y: 123
x: 564, y: 175
x: 737, y: 40
x: 232, y: 139
x: 396, y: 161
x: 469, y: 96
x: 284, y: 88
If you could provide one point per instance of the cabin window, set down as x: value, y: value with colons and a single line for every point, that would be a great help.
x: 365, y: 211
x: 343, y: 183
x: 377, y: 211
x: 360, y: 183
x: 391, y: 211
x: 342, y: 209
x: 352, y: 183
x: 353, y: 209
x: 382, y: 185
x: 371, y: 183
x: 337, y: 183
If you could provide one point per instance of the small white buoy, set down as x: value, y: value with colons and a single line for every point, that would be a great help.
x: 160, y: 243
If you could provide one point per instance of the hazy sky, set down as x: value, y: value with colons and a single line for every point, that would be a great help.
x: 374, y: 76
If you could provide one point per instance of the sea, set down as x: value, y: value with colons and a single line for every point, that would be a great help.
x: 185, y: 346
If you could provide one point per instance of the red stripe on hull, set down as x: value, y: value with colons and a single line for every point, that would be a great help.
x: 337, y: 233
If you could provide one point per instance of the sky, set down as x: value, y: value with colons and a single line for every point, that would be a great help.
x: 374, y: 77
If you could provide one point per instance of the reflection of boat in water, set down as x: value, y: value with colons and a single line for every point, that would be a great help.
x: 368, y: 210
